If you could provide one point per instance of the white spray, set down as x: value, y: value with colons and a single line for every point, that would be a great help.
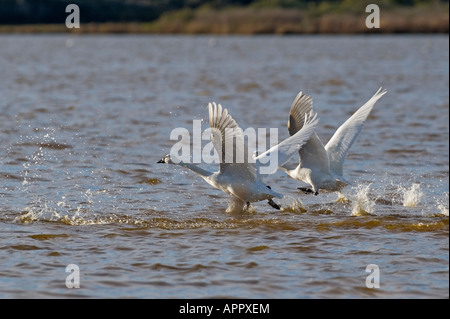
x: 412, y: 196
x: 361, y: 203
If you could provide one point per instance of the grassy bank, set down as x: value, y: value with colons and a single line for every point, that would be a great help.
x: 288, y: 21
x: 253, y: 20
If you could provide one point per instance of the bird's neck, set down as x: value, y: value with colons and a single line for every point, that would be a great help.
x: 198, y: 170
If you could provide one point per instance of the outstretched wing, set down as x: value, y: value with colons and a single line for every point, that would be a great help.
x: 339, y: 145
x: 301, y: 106
x: 228, y: 140
x: 283, y: 151
x: 312, y: 154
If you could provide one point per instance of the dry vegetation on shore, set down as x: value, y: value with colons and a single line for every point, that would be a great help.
x: 249, y: 20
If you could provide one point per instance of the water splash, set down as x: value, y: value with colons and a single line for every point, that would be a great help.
x: 47, y: 214
x: 342, y: 198
x: 443, y: 209
x: 25, y: 181
x: 361, y: 203
x: 35, y: 167
x: 292, y: 205
x: 286, y: 203
x: 238, y: 206
x: 32, y: 214
x: 412, y: 196
x: 81, y: 205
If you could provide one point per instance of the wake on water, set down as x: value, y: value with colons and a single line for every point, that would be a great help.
x: 361, y: 200
x: 363, y: 203
x: 287, y: 204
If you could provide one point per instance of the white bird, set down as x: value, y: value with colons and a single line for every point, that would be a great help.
x: 322, y: 166
x: 240, y: 179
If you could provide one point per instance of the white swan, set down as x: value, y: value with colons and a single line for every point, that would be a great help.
x: 242, y: 180
x: 322, y: 166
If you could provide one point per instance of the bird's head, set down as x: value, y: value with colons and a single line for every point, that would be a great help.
x: 166, y: 159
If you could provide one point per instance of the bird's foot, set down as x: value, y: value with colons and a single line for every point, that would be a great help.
x: 273, y: 204
x: 307, y: 190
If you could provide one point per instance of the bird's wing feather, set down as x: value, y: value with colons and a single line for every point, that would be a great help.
x: 291, y: 145
x: 228, y: 140
x: 312, y: 154
x: 302, y: 105
x: 339, y: 145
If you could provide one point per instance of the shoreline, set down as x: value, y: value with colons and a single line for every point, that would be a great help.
x: 248, y: 21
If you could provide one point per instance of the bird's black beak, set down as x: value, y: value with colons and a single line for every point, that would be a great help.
x: 160, y: 161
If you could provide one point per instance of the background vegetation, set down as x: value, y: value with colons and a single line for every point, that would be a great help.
x: 224, y: 16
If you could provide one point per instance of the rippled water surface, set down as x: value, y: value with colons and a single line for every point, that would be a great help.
x: 83, y: 121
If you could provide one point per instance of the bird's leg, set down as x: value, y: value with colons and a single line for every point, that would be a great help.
x: 248, y: 205
x: 273, y: 204
x: 307, y: 190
